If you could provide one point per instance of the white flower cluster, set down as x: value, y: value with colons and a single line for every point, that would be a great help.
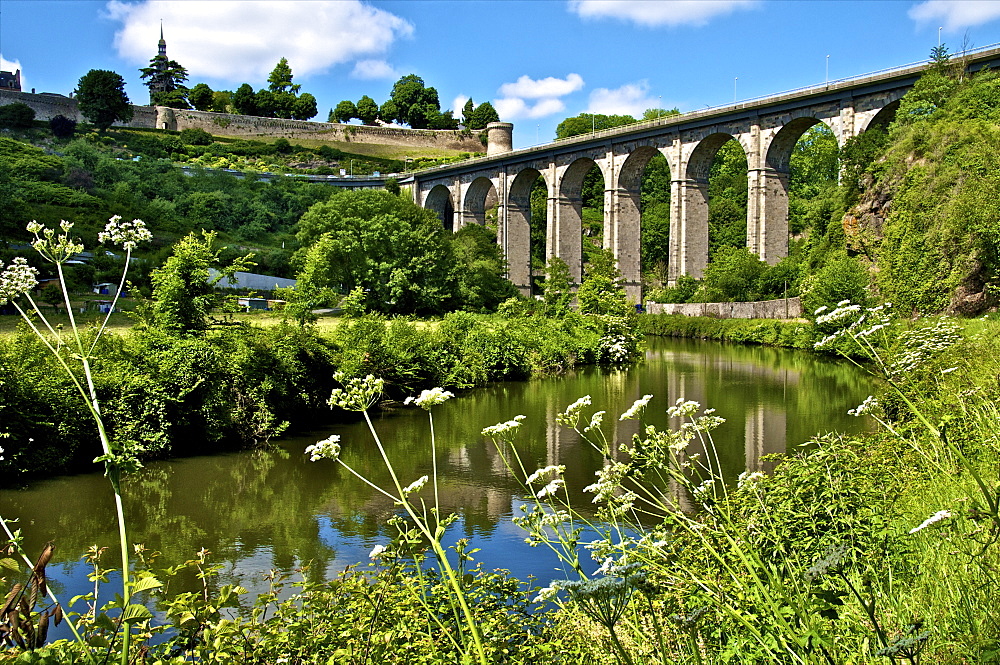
x: 923, y: 343
x: 415, y: 486
x: 863, y: 408
x: 126, y: 234
x: 866, y: 322
x: 357, y: 394
x: 614, y: 349
x: 16, y: 279
x: 552, y: 475
x: 609, y: 479
x: 545, y: 594
x: 683, y: 409
x: 429, y: 398
x: 933, y: 519
x: 377, y: 552
x: 571, y: 415
x: 328, y: 448
x: 595, y: 421
x: 748, y: 477
x: 55, y: 248
x: 500, y: 430
x: 704, y: 491
x: 635, y: 410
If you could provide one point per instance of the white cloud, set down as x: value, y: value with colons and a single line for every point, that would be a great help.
x: 630, y: 99
x: 373, y: 69
x: 955, y: 14
x: 528, y: 88
x: 543, y: 94
x: 242, y: 41
x: 457, y: 104
x: 656, y: 13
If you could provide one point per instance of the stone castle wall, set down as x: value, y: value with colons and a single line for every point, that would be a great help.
x: 47, y: 106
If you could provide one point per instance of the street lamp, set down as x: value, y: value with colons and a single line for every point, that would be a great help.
x: 828, y: 69
x: 735, y: 79
x: 352, y: 168
x: 939, y: 36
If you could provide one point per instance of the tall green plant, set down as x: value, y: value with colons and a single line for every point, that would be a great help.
x: 75, y: 352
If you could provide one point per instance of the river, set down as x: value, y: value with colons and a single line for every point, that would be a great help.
x: 271, y: 508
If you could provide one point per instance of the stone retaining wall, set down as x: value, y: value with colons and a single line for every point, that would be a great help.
x: 47, y: 106
x: 786, y: 308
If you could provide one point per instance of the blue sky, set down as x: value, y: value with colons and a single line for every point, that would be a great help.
x: 538, y: 61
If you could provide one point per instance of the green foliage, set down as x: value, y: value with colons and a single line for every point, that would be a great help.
x: 367, y: 110
x: 353, y: 304
x: 481, y: 268
x: 101, y: 98
x: 586, y: 123
x: 166, y: 82
x: 411, y: 103
x: 16, y: 115
x: 601, y: 291
x: 184, y: 290
x: 841, y: 278
x: 202, y: 97
x: 244, y: 100
x: 727, y: 191
x: 477, y: 117
x: 345, y: 111
x: 395, y: 250
x: 557, y: 289
x: 62, y: 127
x: 196, y: 136
x: 682, y: 291
x: 732, y: 276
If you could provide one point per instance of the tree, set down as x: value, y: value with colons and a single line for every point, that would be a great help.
x: 467, y: 112
x: 412, y: 102
x: 589, y: 122
x: 222, y: 101
x: 245, y: 100
x: 166, y: 79
x: 481, y: 269
x: 184, y: 289
x: 367, y: 110
x: 653, y: 114
x: 557, y: 289
x: 732, y: 276
x: 201, y: 97
x: 16, y: 115
x: 280, y: 78
x: 385, y: 244
x: 101, y: 98
x: 345, y: 111
x: 62, y: 127
x: 304, y: 107
x: 601, y: 291
x: 482, y: 116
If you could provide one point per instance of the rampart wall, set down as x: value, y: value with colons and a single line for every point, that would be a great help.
x: 47, y: 106
x: 785, y: 308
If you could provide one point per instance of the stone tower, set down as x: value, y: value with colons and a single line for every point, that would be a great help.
x: 157, y: 83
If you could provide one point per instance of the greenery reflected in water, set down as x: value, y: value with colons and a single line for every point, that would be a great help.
x: 272, y: 508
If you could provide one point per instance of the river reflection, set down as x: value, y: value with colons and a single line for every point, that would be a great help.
x: 273, y: 509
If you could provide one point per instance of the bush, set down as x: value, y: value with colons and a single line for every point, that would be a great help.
x: 841, y: 278
x: 196, y: 136
x: 16, y: 115
x: 62, y: 127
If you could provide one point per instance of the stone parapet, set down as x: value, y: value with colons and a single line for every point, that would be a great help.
x: 785, y: 308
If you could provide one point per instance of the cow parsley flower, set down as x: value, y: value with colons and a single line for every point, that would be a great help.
x: 500, y: 430
x: 16, y: 279
x: 55, y: 248
x: 545, y: 473
x: 429, y: 398
x: 126, y: 234
x: 550, y: 489
x: 571, y: 415
x: 415, y: 486
x: 866, y: 406
x: 328, y: 448
x: 933, y: 519
x: 377, y: 551
x: 357, y: 394
x: 636, y: 409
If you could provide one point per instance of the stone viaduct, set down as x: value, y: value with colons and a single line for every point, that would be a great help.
x: 766, y: 128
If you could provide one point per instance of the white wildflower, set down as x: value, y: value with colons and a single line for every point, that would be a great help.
x: 683, y: 409
x: 571, y: 415
x: 820, y: 310
x: 595, y: 421
x: 606, y: 566
x: 415, y: 486
x: 933, y: 519
x: 748, y: 477
x: 357, y: 394
x: 502, y: 429
x: 636, y: 408
x: 704, y: 491
x: 126, y: 234
x: 377, y: 551
x: 866, y: 406
x: 16, y: 279
x: 546, y: 594
x: 550, y: 489
x: 429, y: 398
x: 545, y: 473
x: 328, y: 448
x: 948, y: 370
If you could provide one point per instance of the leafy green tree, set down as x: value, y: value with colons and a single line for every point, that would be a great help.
x: 413, y: 103
x: 16, y: 115
x: 585, y: 123
x: 184, y: 289
x: 727, y: 191
x: 732, y: 276
x: 386, y: 244
x: 557, y: 289
x: 601, y: 291
x: 841, y: 278
x: 442, y: 121
x: 222, y: 101
x: 367, y: 110
x: 101, y: 98
x: 62, y: 127
x: 467, y: 112
x: 654, y: 114
x: 345, y: 112
x: 483, y: 115
x: 245, y: 100
x: 304, y: 107
x: 481, y: 267
x: 166, y: 79
x: 201, y: 97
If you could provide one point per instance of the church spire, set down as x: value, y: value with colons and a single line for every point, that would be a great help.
x: 163, y: 43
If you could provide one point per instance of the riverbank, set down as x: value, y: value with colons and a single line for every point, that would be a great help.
x: 791, y: 334
x: 164, y: 395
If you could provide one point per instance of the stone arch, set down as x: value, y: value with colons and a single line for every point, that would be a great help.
x: 881, y: 119
x: 624, y: 235
x: 564, y: 237
x: 516, y: 229
x: 779, y: 150
x: 700, y: 161
x: 439, y: 201
x: 480, y: 196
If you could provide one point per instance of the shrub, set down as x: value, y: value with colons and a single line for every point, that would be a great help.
x: 16, y: 115
x: 196, y: 136
x: 62, y: 127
